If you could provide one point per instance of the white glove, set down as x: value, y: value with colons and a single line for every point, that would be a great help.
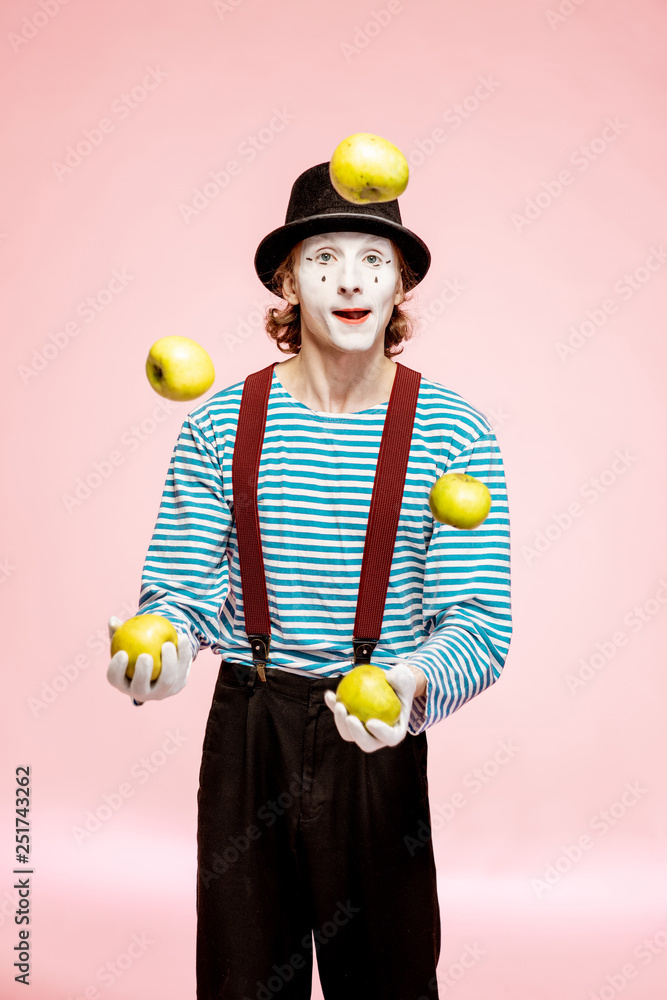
x: 377, y: 734
x: 173, y: 675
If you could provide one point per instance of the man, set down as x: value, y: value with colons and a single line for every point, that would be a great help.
x: 313, y: 830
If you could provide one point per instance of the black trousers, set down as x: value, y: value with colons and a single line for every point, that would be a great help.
x: 306, y: 843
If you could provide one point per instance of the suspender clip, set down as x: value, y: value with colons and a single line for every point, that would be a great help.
x: 260, y: 652
x: 362, y: 650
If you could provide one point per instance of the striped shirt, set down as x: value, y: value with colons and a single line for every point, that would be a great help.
x: 448, y: 599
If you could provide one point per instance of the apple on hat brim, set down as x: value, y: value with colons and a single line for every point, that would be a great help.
x: 367, y: 168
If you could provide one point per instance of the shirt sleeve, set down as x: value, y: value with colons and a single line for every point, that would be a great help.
x: 186, y: 576
x: 467, y: 607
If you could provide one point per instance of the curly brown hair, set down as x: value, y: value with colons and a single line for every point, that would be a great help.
x: 284, y: 325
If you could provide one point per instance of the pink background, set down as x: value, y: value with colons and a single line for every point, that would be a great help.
x: 399, y: 71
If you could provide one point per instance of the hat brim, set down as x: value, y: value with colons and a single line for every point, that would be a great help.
x: 275, y: 247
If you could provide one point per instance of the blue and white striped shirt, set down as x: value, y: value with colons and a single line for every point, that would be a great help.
x: 448, y: 601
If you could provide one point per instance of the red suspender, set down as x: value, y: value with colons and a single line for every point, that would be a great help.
x: 382, y: 519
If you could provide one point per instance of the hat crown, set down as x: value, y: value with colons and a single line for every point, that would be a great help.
x: 314, y: 194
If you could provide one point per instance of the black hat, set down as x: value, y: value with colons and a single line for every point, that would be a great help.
x: 316, y: 207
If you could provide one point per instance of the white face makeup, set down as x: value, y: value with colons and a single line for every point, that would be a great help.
x: 347, y: 285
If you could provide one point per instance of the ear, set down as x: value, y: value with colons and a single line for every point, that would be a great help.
x: 400, y: 294
x: 289, y: 290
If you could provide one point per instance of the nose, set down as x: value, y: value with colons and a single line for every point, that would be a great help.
x: 350, y: 280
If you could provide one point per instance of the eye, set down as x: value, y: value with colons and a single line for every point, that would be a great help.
x: 324, y: 253
x: 375, y: 258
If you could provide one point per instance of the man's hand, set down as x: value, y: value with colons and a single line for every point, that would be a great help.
x: 377, y: 734
x: 173, y: 675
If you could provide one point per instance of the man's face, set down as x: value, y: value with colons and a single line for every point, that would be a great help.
x: 346, y: 285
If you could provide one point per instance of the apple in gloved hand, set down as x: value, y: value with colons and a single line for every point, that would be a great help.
x: 367, y: 693
x: 179, y: 368
x: 459, y: 500
x: 365, y: 167
x: 144, y: 634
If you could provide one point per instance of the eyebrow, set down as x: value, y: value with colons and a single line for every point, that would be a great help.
x: 335, y: 246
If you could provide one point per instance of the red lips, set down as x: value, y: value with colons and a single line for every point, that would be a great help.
x: 352, y: 315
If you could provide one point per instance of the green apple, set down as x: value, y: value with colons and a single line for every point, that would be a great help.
x: 144, y: 634
x: 459, y: 500
x: 179, y: 368
x: 366, y: 693
x: 365, y: 167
